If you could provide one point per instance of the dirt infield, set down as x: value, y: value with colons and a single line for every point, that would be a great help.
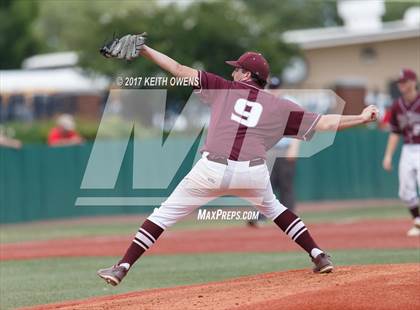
x: 355, y: 287
x: 363, y: 234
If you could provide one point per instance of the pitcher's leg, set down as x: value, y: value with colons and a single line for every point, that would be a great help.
x: 144, y: 239
x: 294, y: 227
x: 184, y: 200
x: 190, y: 194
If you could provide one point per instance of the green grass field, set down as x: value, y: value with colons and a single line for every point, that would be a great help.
x: 33, y: 282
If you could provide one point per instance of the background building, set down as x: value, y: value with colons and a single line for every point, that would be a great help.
x: 361, y: 58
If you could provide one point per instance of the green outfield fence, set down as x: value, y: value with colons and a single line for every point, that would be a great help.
x: 39, y: 182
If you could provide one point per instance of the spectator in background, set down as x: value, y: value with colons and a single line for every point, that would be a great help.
x: 64, y: 133
x: 383, y: 101
x: 384, y: 121
x: 9, y: 142
x: 282, y: 157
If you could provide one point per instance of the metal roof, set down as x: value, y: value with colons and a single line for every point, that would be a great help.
x: 335, y: 36
x: 50, y: 81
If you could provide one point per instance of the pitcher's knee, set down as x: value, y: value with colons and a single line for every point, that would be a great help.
x: 271, y: 209
x: 171, y: 211
x: 163, y: 217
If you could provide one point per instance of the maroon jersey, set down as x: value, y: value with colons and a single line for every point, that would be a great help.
x: 246, y: 121
x: 405, y: 119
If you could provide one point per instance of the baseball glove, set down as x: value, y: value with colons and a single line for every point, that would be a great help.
x: 128, y: 47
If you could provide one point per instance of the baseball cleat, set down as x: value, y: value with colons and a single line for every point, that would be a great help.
x: 322, y: 263
x: 417, y: 222
x: 413, y: 232
x: 113, y: 275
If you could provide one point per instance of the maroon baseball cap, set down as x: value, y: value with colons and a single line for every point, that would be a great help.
x: 253, y: 62
x: 406, y: 75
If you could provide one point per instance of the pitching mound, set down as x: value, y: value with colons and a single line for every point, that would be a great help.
x: 354, y: 287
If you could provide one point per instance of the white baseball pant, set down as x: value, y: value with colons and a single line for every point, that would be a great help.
x: 208, y: 180
x: 409, y: 174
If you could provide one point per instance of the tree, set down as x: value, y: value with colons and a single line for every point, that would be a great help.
x: 203, y: 34
x: 396, y: 9
x: 17, y: 40
x: 280, y: 16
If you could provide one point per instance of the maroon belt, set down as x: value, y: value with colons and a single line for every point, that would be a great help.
x: 224, y: 160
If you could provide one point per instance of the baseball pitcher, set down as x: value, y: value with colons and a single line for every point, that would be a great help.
x: 405, y: 121
x: 245, y: 121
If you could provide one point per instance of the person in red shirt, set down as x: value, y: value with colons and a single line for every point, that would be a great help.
x: 245, y: 121
x: 64, y: 133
